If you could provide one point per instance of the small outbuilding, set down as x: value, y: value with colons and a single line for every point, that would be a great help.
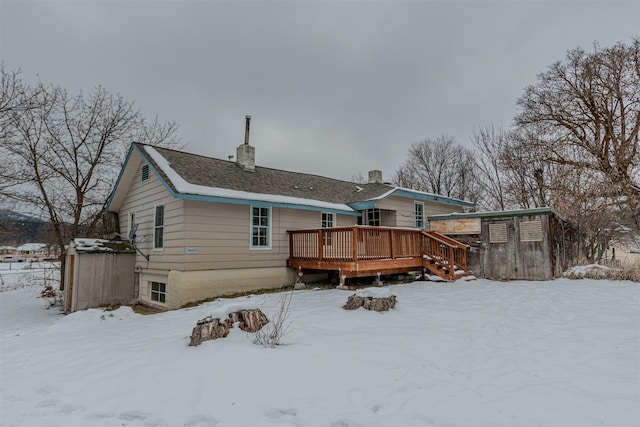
x: 98, y: 273
x: 527, y: 244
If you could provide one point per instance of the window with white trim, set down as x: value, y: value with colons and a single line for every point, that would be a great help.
x: 371, y: 217
x: 327, y: 222
x: 418, y: 210
x: 260, y: 227
x: 158, y: 227
x: 158, y: 292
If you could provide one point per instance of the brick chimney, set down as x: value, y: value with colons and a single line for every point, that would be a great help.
x: 375, y: 177
x: 246, y: 154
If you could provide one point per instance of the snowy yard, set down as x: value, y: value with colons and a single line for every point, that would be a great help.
x: 479, y: 353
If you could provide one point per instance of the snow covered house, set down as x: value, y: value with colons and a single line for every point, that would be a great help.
x: 206, y: 227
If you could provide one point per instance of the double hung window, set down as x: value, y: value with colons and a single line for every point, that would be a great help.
x: 158, y: 228
x: 260, y: 227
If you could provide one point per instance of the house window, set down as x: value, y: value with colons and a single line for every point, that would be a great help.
x: 327, y: 222
x: 418, y: 210
x: 371, y: 217
x: 145, y: 172
x: 498, y: 232
x: 260, y: 227
x: 158, y: 228
x: 531, y: 231
x: 158, y: 292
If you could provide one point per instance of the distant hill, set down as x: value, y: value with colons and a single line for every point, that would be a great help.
x: 17, y: 229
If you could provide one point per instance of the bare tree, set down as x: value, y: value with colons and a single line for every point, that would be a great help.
x: 61, y: 152
x: 358, y: 178
x: 490, y: 144
x: 585, y: 113
x: 439, y: 165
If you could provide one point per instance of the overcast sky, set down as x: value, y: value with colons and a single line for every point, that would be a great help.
x: 334, y: 88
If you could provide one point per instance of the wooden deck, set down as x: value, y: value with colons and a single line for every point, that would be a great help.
x: 361, y: 251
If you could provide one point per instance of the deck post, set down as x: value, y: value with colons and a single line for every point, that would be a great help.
x: 290, y: 245
x: 320, y: 244
x: 354, y: 236
x: 452, y: 264
x: 392, y: 237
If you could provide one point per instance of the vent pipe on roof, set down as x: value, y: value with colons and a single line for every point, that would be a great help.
x: 246, y: 154
x: 246, y: 130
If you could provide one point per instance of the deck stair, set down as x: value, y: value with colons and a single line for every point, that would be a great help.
x: 361, y: 251
x: 444, y: 256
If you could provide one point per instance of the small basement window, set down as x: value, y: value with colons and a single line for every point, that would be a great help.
x: 145, y: 172
x: 158, y: 292
x: 498, y: 232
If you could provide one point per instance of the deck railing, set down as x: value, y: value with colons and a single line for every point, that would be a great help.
x: 355, y: 243
x: 365, y: 243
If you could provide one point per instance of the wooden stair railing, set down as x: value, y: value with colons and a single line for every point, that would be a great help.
x: 379, y: 248
x: 444, y: 256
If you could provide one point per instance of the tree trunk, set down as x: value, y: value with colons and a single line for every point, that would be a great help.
x: 370, y: 303
x: 211, y: 328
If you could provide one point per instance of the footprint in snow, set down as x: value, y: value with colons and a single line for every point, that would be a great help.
x: 288, y: 414
x: 343, y: 423
x: 201, y: 421
x: 47, y: 403
x: 47, y: 390
x: 133, y: 416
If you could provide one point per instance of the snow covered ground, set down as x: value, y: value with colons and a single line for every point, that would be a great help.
x: 469, y: 353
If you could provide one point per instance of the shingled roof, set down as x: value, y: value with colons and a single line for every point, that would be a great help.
x: 216, y: 173
x: 190, y: 175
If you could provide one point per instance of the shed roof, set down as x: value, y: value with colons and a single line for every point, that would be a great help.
x: 499, y: 214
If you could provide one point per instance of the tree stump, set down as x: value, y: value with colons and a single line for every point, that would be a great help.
x: 250, y: 320
x: 208, y: 329
x: 370, y: 303
x: 211, y: 328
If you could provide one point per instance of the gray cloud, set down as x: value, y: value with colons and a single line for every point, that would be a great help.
x: 333, y: 87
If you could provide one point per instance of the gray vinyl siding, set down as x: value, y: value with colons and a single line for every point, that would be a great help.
x: 404, y: 210
x: 142, y: 198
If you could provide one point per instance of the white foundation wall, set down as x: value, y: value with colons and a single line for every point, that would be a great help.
x: 184, y: 287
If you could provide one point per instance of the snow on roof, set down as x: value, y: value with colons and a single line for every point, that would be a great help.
x: 431, y: 196
x: 100, y: 245
x: 32, y: 247
x: 184, y: 187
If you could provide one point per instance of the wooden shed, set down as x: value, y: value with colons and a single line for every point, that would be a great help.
x: 99, y: 273
x: 527, y: 244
